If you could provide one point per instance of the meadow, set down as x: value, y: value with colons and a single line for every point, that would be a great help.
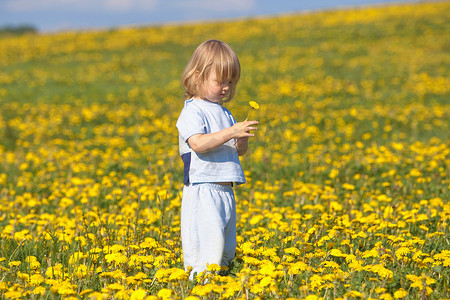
x: 348, y: 175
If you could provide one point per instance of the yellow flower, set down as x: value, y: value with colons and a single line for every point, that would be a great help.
x: 115, y: 286
x: 401, y: 293
x: 256, y: 289
x: 292, y: 250
x: 179, y: 274
x: 40, y: 290
x: 330, y: 264
x: 83, y: 293
x: 138, y: 294
x: 213, y: 267
x: 316, y: 282
x: 200, y: 290
x: 402, y: 251
x: 348, y: 186
x: 267, y: 269
x: 36, y: 279
x: 354, y: 294
x: 297, y: 267
x: 254, y: 105
x: 337, y: 252
x: 118, y: 258
x: 15, y: 263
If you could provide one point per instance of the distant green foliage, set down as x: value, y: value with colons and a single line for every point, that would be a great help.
x: 17, y: 30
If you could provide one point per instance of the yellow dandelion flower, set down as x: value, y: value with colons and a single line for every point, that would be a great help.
x: 336, y: 206
x: 251, y: 260
x: 116, y: 257
x: 348, y: 186
x: 330, y: 264
x: 178, y: 275
x: 138, y: 294
x: 200, y: 290
x: 402, y: 251
x: 388, y: 212
x: 117, y: 248
x: 292, y: 250
x: 337, y: 253
x: 255, y: 219
x: 415, y: 173
x: 121, y: 294
x: 75, y: 257
x: 162, y: 274
x: 253, y: 106
x: 36, y: 279
x: 356, y: 265
x: 14, y: 263
x: 297, y: 267
x: 354, y: 294
x: 40, y: 290
x: 86, y: 292
x: 316, y: 282
x: 266, y: 281
x: 54, y: 271
x: 247, y: 248
x: 267, y: 269
x: 213, y: 267
x: 115, y: 286
x: 13, y: 294
x: 333, y: 173
x: 256, y: 289
x: 148, y: 244
x: 370, y: 253
x: 401, y: 293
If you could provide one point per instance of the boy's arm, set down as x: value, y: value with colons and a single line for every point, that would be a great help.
x: 242, y: 146
x: 201, y: 143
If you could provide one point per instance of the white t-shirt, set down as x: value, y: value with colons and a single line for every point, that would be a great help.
x: 220, y: 164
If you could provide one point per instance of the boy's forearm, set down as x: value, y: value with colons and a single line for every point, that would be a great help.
x: 204, y: 142
x: 201, y: 143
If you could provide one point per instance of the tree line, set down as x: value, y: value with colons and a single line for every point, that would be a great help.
x: 17, y: 29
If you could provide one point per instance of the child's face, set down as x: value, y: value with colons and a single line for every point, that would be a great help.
x: 215, y: 91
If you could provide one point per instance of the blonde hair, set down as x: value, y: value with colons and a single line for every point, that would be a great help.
x: 211, y: 56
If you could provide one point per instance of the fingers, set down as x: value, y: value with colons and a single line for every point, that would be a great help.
x: 249, y: 125
x: 243, y: 129
x: 250, y: 122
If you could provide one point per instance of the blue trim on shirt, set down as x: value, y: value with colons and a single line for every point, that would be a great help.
x: 186, y: 157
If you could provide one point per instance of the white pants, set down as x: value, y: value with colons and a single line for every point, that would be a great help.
x: 208, y: 225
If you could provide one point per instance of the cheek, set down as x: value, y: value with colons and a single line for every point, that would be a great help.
x: 213, y: 87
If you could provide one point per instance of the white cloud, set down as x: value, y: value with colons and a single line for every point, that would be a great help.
x: 80, y: 5
x: 220, y: 5
x: 127, y: 5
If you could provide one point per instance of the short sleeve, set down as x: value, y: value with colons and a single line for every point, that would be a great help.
x: 190, y: 122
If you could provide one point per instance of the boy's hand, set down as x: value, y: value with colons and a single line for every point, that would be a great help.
x: 242, y: 129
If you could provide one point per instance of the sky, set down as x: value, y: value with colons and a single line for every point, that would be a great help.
x: 60, y: 15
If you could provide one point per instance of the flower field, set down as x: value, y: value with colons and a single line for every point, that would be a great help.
x: 348, y: 175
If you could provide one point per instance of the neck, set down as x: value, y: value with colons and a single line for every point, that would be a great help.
x: 206, y: 99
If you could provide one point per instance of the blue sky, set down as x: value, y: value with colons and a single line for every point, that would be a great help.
x: 56, y: 15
